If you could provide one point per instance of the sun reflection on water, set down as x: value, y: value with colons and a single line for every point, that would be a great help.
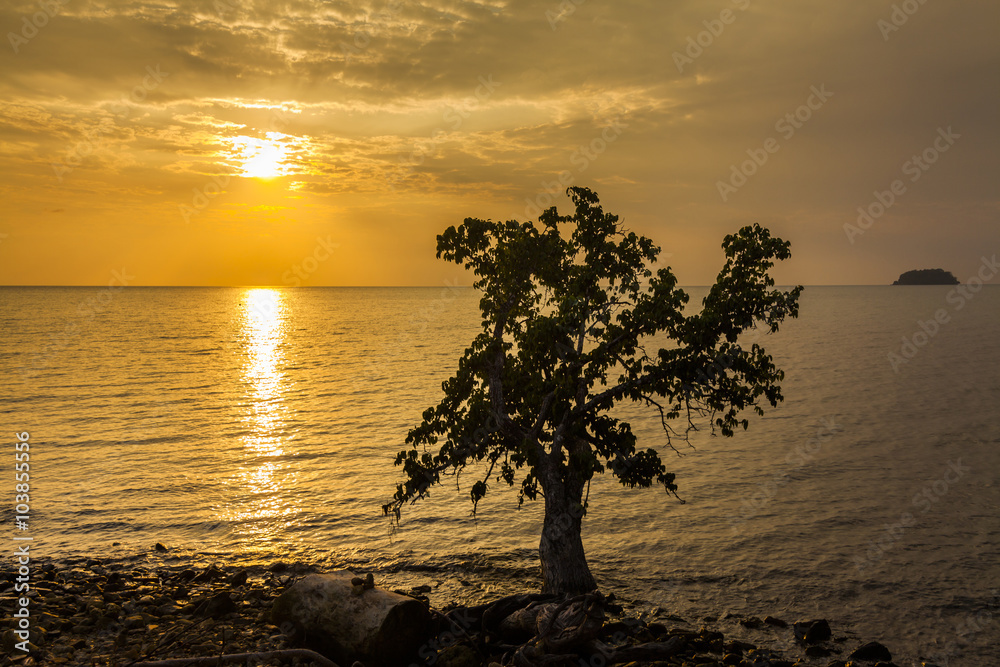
x: 260, y: 508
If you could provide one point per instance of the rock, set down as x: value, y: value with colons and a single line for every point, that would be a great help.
x: 216, y: 606
x: 9, y: 641
x: 819, y: 652
x: 776, y: 622
x: 657, y: 629
x: 239, y: 578
x: 736, y: 646
x: 134, y: 621
x: 753, y: 623
x: 812, y: 632
x: 458, y: 655
x: 711, y: 635
x: 208, y: 575
x: 159, y: 547
x: 871, y: 652
x: 759, y: 657
x: 186, y: 575
x: 376, y: 627
x: 169, y: 609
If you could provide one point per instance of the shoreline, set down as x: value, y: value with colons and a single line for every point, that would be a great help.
x: 107, y: 612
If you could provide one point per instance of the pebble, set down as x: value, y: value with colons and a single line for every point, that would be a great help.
x: 98, y: 613
x: 105, y: 613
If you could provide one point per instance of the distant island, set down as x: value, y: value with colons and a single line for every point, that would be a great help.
x: 927, y: 277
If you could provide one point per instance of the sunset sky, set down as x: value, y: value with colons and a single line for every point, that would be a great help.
x: 241, y: 142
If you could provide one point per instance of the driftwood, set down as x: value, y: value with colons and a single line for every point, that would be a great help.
x: 530, y: 656
x: 646, y: 652
x: 559, y: 628
x: 232, y: 658
x: 495, y: 613
x: 342, y: 616
x: 566, y: 629
x: 572, y: 623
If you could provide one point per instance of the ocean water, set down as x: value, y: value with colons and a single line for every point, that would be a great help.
x: 256, y: 425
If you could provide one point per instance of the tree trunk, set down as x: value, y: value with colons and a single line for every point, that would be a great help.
x: 564, y: 565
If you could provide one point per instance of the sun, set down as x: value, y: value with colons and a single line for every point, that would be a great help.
x: 262, y: 158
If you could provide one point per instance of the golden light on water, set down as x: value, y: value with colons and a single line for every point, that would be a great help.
x: 259, y: 475
x: 263, y: 322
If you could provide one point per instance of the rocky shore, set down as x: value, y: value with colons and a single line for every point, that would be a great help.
x: 94, y: 613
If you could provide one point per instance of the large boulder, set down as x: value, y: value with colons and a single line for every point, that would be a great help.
x: 871, y: 652
x: 812, y: 632
x: 346, y: 621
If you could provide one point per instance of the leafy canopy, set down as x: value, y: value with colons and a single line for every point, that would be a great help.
x: 567, y: 306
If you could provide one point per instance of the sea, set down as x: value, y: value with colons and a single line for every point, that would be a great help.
x: 259, y: 425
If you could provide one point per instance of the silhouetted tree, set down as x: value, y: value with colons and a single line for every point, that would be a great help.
x: 567, y: 306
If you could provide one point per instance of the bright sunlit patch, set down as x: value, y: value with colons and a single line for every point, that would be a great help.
x: 259, y: 506
x: 263, y: 312
x: 262, y: 158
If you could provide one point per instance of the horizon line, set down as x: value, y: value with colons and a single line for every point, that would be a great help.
x: 446, y: 285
